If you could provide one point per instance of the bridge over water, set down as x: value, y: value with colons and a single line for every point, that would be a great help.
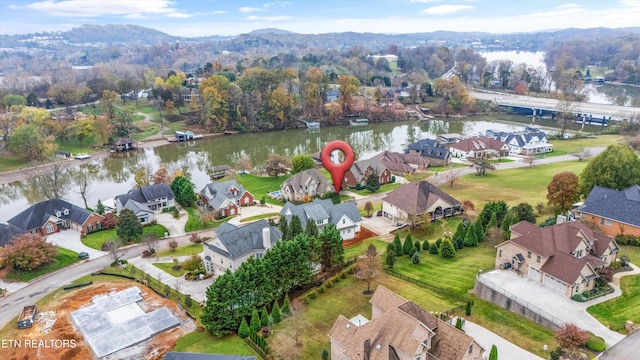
x: 536, y: 105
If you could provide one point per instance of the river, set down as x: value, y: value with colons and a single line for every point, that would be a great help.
x: 114, y: 175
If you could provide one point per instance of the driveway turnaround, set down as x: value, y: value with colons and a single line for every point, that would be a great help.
x: 173, y: 225
x: 486, y: 338
x: 70, y: 239
x: 255, y: 210
x: 554, y: 303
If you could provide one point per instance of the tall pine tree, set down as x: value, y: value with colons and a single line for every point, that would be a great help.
x: 408, y: 244
x: 398, y: 245
x: 390, y: 259
x: 295, y: 227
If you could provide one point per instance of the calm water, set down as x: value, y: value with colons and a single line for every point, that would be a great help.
x: 114, y: 175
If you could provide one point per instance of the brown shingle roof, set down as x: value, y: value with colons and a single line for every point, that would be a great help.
x: 394, y: 162
x: 417, y: 197
x: 564, y: 267
x: 479, y: 144
x: 385, y: 299
x: 450, y: 343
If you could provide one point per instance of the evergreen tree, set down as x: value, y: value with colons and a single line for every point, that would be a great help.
x: 243, y: 330
x: 479, y: 230
x: 493, y: 355
x: 100, y: 207
x: 286, y: 306
x: 183, y: 191
x: 459, y: 323
x: 332, y: 250
x: 470, y: 238
x: 129, y: 226
x: 264, y: 317
x: 412, y: 251
x: 433, y: 249
x: 284, y: 227
x: 493, y: 221
x: 311, y: 229
x: 390, y: 259
x: 459, y: 244
x: 295, y: 227
x: 254, y: 324
x: 425, y: 245
x: 506, y: 223
x: 398, y: 245
x: 468, y: 308
x: 408, y: 244
x: 447, y: 249
x: 460, y: 231
x: 221, y: 315
x: 415, y: 259
x: 417, y: 246
x: 276, y: 315
x: 325, y: 354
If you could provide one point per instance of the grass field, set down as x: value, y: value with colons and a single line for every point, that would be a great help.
x: 183, y: 250
x: 383, y: 188
x: 168, y: 268
x: 203, y: 342
x: 195, y: 222
x: 96, y: 239
x: 633, y: 252
x: 526, y: 184
x: 570, y: 146
x: 260, y: 186
x: 65, y: 258
x: 614, y: 313
x: 261, y: 216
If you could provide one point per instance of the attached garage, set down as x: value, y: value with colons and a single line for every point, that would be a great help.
x: 555, y: 284
x: 534, y: 274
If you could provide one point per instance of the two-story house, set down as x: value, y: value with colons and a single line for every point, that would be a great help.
x: 417, y: 202
x: 226, y: 197
x: 308, y: 183
x: 563, y: 257
x: 528, y: 142
x: 613, y: 211
x: 360, y: 171
x: 233, y: 245
x: 434, y: 153
x: 146, y: 201
x: 344, y: 216
x: 400, y: 330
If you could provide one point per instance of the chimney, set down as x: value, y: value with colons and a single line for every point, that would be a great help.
x: 266, y: 237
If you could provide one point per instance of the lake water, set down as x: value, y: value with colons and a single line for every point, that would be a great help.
x: 115, y: 175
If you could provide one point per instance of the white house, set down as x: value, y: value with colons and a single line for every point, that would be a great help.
x: 146, y: 201
x: 344, y: 216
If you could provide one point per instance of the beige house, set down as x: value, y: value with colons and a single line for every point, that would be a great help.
x: 399, y: 329
x: 418, y: 202
x: 307, y: 183
x: 563, y: 257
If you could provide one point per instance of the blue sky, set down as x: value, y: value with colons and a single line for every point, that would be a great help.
x: 229, y: 17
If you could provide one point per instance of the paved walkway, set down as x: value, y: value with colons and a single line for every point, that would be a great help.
x: 617, y: 276
x: 487, y: 338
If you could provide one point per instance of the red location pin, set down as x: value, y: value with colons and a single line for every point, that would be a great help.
x: 337, y: 170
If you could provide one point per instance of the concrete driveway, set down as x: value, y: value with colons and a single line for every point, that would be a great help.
x: 378, y: 224
x: 70, y: 239
x: 554, y: 303
x: 175, y: 226
x: 255, y: 210
x: 487, y: 338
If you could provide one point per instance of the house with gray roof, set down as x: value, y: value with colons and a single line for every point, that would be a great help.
x: 344, y: 216
x: 528, y: 142
x: 360, y: 170
x: 435, y: 153
x: 307, y: 183
x: 233, y: 245
x: 226, y: 197
x: 146, y: 201
x: 49, y: 216
x: 613, y: 211
x: 418, y: 202
x: 7, y: 233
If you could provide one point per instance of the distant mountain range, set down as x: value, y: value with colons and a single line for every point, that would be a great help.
x: 138, y: 35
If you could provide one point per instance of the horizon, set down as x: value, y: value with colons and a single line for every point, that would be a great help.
x: 189, y: 18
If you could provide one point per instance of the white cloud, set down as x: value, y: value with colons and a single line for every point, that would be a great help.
x: 95, y: 8
x: 268, y: 18
x: 219, y: 12
x: 247, y: 9
x: 178, y: 15
x: 13, y: 7
x: 445, y: 9
x: 425, y: 1
x: 561, y: 10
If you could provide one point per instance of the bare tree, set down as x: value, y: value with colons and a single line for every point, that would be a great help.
x: 482, y: 165
x: 452, y: 175
x: 151, y: 240
x: 81, y: 178
x: 297, y: 310
x: 367, y: 267
x: 564, y: 116
x: 115, y: 250
x: 529, y: 159
x: 582, y: 154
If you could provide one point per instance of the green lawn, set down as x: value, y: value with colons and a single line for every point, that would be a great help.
x: 526, y: 184
x: 261, y: 216
x: 183, y: 250
x: 431, y: 231
x: 168, y: 268
x: 10, y: 161
x: 614, y: 313
x: 65, y: 257
x: 633, y: 252
x: 260, y: 186
x: 194, y: 222
x: 383, y: 188
x: 570, y: 146
x: 203, y: 342
x: 359, y: 249
x: 376, y: 207
x: 96, y: 239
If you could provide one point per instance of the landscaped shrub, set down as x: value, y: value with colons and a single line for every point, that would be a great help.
x: 322, y: 289
x: 313, y: 295
x: 596, y: 343
x: 254, y: 323
x: 286, y: 306
x: 408, y: 245
x: 627, y: 240
x: 187, y: 301
x: 459, y: 323
x: 412, y: 251
x: 425, y: 245
x: 276, y: 315
x: 329, y: 284
x: 556, y: 353
x: 468, y: 308
x: 415, y: 259
x: 264, y: 317
x: 438, y: 242
x: 343, y: 275
x: 605, y: 273
x: 433, y: 249
x: 447, y: 250
x: 243, y: 330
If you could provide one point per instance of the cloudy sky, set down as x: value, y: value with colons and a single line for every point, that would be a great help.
x: 232, y: 17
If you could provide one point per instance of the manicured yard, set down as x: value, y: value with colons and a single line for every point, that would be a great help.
x: 633, y: 252
x: 376, y: 207
x: 359, y: 249
x: 195, y: 222
x: 615, y: 312
x: 96, y: 239
x: 261, y: 216
x: 562, y: 147
x: 527, y: 184
x: 431, y: 231
x: 65, y: 257
x: 383, y: 188
x: 260, y: 186
x: 168, y: 268
x: 10, y: 161
x: 183, y: 250
x: 203, y: 342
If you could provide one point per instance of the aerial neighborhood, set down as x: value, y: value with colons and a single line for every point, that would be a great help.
x: 171, y: 197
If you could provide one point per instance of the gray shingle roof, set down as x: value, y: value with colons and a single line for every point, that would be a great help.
x: 219, y: 191
x: 240, y: 241
x: 137, y: 207
x: 321, y: 209
x: 147, y: 194
x: 429, y: 148
x: 622, y: 206
x: 8, y: 232
x: 37, y: 214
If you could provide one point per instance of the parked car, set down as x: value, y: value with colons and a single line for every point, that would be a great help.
x: 83, y: 255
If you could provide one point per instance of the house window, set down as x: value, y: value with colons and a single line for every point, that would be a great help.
x: 579, y: 253
x: 319, y: 222
x: 89, y: 228
x: 500, y: 253
x: 98, y: 225
x: 470, y: 348
x: 538, y: 258
x: 49, y: 228
x: 529, y: 254
x: 601, y: 221
x: 609, y: 222
x: 344, y: 221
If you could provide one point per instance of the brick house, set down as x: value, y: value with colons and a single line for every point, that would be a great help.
x: 226, y: 197
x: 54, y: 215
x: 419, y: 200
x: 563, y: 257
x: 360, y: 170
x: 613, y: 212
x: 400, y: 330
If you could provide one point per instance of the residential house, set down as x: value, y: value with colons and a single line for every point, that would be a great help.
x: 614, y: 212
x: 124, y: 144
x: 529, y: 142
x: 399, y: 330
x: 308, y: 183
x: 188, y: 94
x: 432, y: 150
x: 226, y: 197
x: 395, y: 162
x: 478, y: 147
x: 417, y: 202
x: 50, y: 216
x: 233, y: 245
x: 360, y: 170
x: 173, y: 355
x: 563, y: 257
x: 344, y: 216
x: 146, y: 201
x: 7, y: 233
x: 333, y: 95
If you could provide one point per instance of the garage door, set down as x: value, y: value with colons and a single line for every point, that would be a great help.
x: 534, y: 274
x: 555, y: 284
